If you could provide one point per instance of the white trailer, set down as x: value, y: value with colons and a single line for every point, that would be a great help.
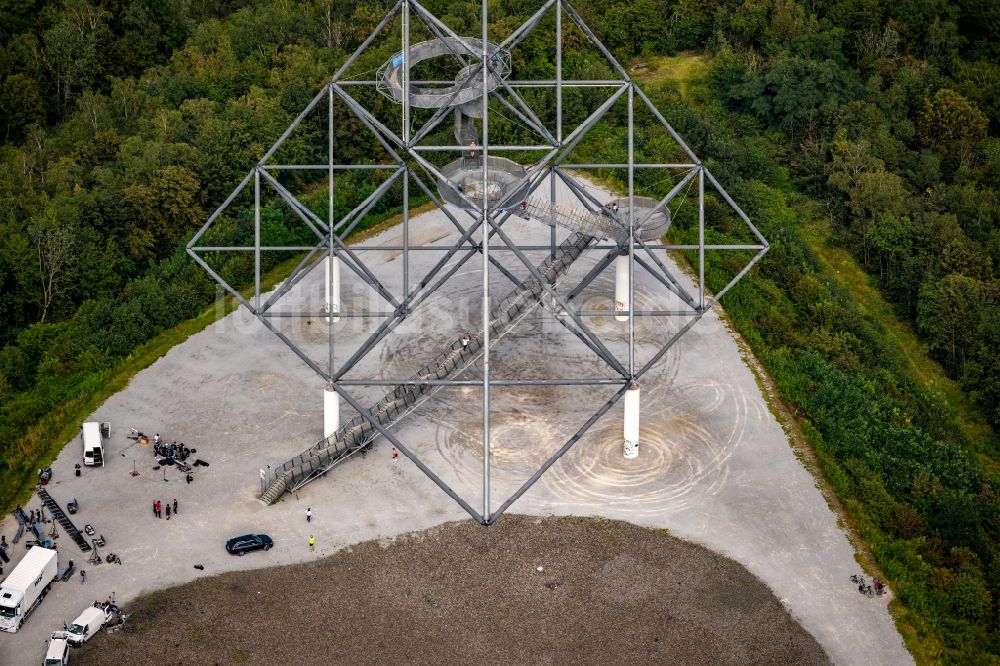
x: 26, y: 585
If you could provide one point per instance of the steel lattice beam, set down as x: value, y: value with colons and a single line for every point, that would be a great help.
x: 411, y: 155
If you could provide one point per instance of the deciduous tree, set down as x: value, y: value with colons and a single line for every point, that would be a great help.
x: 55, y: 249
x: 950, y: 122
x: 948, y: 315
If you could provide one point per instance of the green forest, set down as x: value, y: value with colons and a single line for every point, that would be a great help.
x: 862, y: 137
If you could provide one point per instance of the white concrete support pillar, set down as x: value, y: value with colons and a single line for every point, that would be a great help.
x: 621, y: 287
x: 331, y: 411
x: 331, y: 270
x: 630, y: 448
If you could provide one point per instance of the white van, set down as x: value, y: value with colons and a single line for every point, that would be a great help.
x: 92, y: 435
x: 58, y: 652
x: 89, y: 623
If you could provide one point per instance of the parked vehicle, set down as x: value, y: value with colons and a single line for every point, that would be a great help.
x: 248, y: 542
x: 26, y: 586
x: 92, y: 435
x: 91, y: 620
x: 58, y: 652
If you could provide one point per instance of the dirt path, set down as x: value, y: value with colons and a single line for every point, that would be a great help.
x: 609, y: 592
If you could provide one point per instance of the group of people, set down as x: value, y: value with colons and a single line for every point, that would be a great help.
x: 117, y: 614
x: 173, y: 450
x: 36, y: 517
x: 876, y: 587
x: 158, y: 509
x: 108, y: 605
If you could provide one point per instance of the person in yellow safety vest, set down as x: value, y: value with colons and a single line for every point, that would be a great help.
x: 312, y: 543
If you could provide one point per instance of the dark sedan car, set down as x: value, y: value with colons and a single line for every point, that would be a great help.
x: 248, y: 542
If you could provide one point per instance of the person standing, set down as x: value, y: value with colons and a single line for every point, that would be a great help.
x: 312, y: 544
x: 309, y: 515
x: 155, y: 514
x: 168, y: 511
x: 395, y: 453
x: 83, y: 576
x: 175, y: 506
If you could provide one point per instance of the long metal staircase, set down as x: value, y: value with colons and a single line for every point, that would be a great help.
x: 358, y: 433
x: 466, y: 132
x: 652, y: 220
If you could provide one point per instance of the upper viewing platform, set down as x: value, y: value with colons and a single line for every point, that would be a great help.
x: 468, y: 86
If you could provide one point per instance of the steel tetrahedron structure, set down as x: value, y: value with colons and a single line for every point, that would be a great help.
x: 430, y: 105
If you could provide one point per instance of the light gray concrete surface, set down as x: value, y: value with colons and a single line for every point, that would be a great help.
x: 714, y: 465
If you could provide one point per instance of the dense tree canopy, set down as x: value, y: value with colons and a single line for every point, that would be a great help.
x: 124, y: 122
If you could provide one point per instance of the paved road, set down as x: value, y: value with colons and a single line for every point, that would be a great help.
x: 714, y: 465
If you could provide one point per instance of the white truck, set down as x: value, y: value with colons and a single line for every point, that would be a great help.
x: 26, y: 585
x: 91, y: 620
x: 92, y: 436
x: 57, y: 653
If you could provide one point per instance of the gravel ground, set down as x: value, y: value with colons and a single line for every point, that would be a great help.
x: 609, y: 592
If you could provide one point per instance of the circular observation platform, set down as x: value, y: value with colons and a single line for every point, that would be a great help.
x: 506, y: 183
x: 652, y: 223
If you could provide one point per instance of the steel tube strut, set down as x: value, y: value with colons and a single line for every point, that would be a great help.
x: 486, y: 270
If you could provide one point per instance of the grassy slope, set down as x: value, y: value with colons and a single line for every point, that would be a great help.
x: 842, y: 267
x: 62, y: 425
x: 687, y: 74
x: 684, y: 71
